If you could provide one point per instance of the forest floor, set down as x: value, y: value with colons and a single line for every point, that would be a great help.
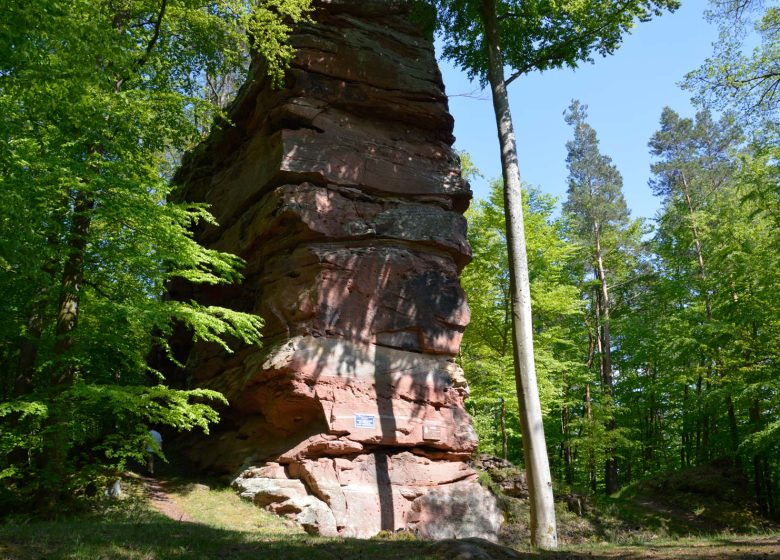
x: 181, y: 520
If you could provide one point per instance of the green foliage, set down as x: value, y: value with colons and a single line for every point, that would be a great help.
x: 595, y: 199
x: 487, y: 352
x: 688, y: 370
x: 698, y: 370
x: 738, y: 78
x: 600, y: 223
x: 268, y: 25
x: 540, y: 35
x: 105, y: 432
x: 98, y: 99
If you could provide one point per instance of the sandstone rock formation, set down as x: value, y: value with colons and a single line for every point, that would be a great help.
x: 342, y: 193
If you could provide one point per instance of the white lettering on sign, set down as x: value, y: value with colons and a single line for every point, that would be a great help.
x: 365, y: 421
x: 431, y: 432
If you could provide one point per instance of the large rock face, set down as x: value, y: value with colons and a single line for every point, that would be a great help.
x: 342, y: 193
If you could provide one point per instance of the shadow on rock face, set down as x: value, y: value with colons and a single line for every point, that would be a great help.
x: 343, y: 194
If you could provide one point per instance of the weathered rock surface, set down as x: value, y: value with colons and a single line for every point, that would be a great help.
x: 454, y: 511
x: 378, y: 491
x: 509, y: 479
x: 474, y: 549
x: 343, y: 194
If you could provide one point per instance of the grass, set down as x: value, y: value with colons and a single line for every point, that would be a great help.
x: 723, y: 546
x: 225, y: 527
x: 145, y: 535
x: 222, y: 508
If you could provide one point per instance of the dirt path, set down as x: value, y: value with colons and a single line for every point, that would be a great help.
x: 162, y: 501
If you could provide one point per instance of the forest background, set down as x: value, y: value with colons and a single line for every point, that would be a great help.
x: 655, y: 339
x: 656, y: 348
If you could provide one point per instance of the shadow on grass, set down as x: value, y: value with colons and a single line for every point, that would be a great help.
x: 144, y: 535
x: 150, y: 536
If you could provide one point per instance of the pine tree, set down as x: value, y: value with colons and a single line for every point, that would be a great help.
x: 694, y: 162
x: 599, y: 218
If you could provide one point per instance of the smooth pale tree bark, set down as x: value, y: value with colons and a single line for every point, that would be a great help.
x: 543, y: 527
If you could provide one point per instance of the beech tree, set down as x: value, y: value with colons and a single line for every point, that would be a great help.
x: 95, y: 95
x: 484, y: 36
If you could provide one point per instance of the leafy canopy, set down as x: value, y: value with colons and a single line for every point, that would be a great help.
x: 539, y: 34
x: 486, y: 355
x: 736, y: 76
x: 99, y: 98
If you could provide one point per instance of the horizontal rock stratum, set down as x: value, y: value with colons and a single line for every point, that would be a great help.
x: 343, y: 194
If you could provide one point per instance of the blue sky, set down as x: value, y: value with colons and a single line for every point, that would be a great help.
x: 625, y: 94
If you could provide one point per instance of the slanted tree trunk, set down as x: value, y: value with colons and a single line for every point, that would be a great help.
x: 543, y: 528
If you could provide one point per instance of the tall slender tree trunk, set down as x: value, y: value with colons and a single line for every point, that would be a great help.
x: 770, y: 492
x: 697, y: 245
x: 712, y: 364
x: 699, y: 416
x: 591, y: 460
x: 759, y: 474
x: 568, y: 463
x: 706, y: 430
x: 70, y: 288
x: 28, y: 351
x: 762, y: 474
x: 685, y: 443
x: 543, y: 527
x: 504, y: 439
x: 733, y: 428
x: 607, y: 379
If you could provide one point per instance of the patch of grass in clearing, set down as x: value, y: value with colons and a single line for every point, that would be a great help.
x: 626, y: 522
x: 222, y: 508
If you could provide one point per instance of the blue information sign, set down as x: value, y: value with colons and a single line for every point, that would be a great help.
x: 365, y: 421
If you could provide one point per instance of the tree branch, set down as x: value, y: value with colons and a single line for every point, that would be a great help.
x: 155, y: 35
x: 150, y: 46
x: 572, y: 40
